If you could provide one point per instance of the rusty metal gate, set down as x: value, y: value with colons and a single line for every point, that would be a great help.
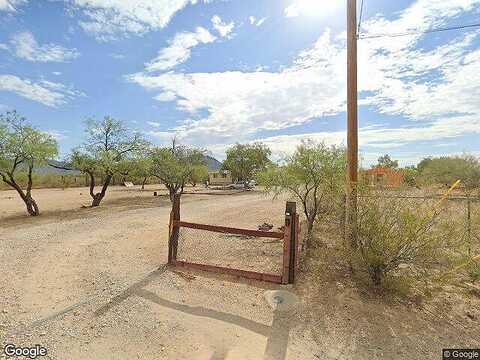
x: 254, y: 254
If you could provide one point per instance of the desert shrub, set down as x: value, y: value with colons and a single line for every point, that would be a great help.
x: 396, y: 235
x: 473, y: 270
x: 410, y: 177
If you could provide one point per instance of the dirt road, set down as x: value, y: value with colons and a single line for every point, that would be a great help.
x: 89, y: 283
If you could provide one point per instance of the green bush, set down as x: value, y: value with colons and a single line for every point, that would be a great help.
x: 399, y: 236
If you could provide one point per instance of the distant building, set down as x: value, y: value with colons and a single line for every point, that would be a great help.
x: 220, y: 177
x: 380, y: 176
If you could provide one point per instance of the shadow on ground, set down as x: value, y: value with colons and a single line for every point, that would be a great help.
x: 277, y: 334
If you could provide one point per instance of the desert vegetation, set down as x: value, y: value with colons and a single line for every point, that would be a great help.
x: 314, y: 175
x: 177, y: 166
x: 414, y: 240
x: 108, y: 148
x: 22, y: 147
x: 408, y: 234
x: 245, y: 161
x: 416, y: 230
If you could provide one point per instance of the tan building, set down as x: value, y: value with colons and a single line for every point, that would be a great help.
x: 221, y: 177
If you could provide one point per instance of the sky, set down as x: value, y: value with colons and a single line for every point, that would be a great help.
x: 216, y: 72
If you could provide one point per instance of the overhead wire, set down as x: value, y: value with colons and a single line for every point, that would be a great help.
x: 411, y: 32
x: 360, y: 19
x: 417, y: 32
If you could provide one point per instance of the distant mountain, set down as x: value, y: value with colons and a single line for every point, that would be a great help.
x: 47, y: 169
x: 212, y: 163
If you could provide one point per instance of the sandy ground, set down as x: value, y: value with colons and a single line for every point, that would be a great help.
x: 91, y: 284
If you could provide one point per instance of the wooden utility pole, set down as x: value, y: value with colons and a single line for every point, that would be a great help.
x: 352, y: 123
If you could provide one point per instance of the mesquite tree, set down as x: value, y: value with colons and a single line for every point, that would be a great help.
x: 175, y: 166
x: 22, y: 148
x: 140, y: 166
x: 314, y: 174
x: 244, y: 161
x: 109, y: 144
x: 199, y: 175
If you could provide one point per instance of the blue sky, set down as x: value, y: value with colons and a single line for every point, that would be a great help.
x: 216, y: 72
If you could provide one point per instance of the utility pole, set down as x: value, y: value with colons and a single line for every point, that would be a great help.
x: 352, y: 124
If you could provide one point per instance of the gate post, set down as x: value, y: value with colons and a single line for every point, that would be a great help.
x: 174, y: 230
x: 290, y: 243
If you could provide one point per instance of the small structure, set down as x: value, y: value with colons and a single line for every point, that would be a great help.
x: 381, y: 176
x: 220, y: 178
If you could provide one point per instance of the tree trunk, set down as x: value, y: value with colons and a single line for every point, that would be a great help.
x: 30, y: 203
x: 143, y: 183
x: 98, y: 197
x: 310, y: 224
x: 310, y: 227
x: 171, y: 192
x: 32, y: 207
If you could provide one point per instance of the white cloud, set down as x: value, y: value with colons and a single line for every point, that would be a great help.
x: 166, y: 96
x: 111, y: 19
x: 257, y: 22
x: 240, y: 104
x: 261, y: 21
x: 153, y: 123
x: 380, y: 138
x: 179, y: 49
x: 58, y: 135
x: 223, y: 28
x: 437, y: 89
x: 315, y: 9
x: 10, y: 5
x: 292, y: 11
x: 45, y: 92
x: 395, y: 70
x: 56, y: 73
x: 164, y: 136
x: 23, y: 45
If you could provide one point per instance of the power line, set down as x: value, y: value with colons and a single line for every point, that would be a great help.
x: 416, y: 32
x: 360, y: 19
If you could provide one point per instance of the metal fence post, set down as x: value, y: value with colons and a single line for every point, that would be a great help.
x: 290, y: 243
x: 297, y: 247
x: 286, y: 247
x: 174, y: 230
x: 469, y: 225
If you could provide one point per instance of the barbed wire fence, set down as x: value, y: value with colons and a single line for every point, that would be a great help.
x: 463, y: 212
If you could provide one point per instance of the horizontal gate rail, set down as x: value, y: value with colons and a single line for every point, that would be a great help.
x: 229, y: 271
x: 290, y: 237
x: 229, y: 230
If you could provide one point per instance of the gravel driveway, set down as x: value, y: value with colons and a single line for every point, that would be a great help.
x: 91, y: 284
